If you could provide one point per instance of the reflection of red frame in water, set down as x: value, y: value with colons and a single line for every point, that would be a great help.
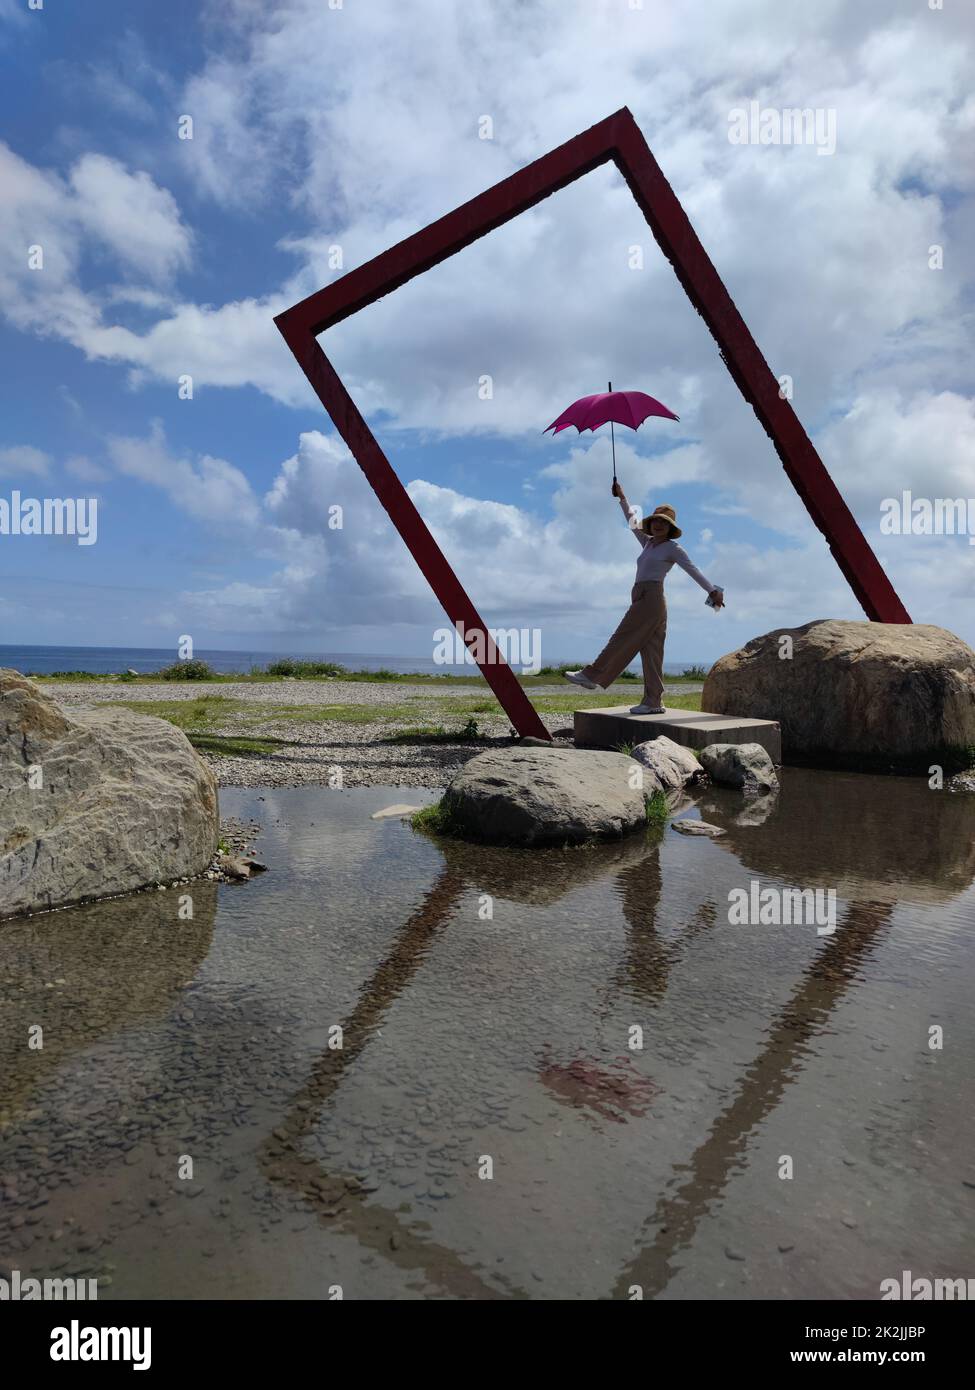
x: 619, y: 138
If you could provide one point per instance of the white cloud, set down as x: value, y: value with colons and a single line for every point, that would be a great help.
x: 210, y: 489
x: 889, y: 440
x: 100, y: 206
x: 81, y: 467
x: 134, y: 218
x: 24, y: 458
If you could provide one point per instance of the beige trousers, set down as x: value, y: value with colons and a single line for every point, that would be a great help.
x: 642, y: 630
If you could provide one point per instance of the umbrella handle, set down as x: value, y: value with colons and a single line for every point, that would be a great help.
x: 612, y: 435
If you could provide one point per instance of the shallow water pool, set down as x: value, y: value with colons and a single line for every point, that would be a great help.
x: 560, y: 1074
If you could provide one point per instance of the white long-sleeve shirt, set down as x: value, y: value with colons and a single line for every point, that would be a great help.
x: 658, y: 559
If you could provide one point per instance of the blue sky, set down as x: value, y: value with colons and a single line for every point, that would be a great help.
x: 352, y: 127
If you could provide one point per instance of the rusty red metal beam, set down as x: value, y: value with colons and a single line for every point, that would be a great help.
x: 751, y: 373
x: 619, y: 138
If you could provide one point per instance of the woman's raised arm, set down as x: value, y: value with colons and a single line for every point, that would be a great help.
x: 641, y: 536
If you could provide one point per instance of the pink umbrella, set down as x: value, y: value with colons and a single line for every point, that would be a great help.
x: 625, y: 407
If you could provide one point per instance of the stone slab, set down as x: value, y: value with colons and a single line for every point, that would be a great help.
x: 607, y: 727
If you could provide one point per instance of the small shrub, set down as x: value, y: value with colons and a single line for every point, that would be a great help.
x: 292, y: 666
x: 193, y: 670
x: 694, y: 673
x: 382, y: 674
x: 657, y: 809
x: 64, y: 675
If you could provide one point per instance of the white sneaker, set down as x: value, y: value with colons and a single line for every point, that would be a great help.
x: 647, y: 709
x: 577, y: 678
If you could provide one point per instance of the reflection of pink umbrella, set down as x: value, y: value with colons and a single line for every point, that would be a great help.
x: 613, y: 1091
x: 625, y: 407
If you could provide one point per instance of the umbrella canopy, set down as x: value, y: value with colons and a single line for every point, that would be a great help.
x: 622, y: 407
x: 625, y: 407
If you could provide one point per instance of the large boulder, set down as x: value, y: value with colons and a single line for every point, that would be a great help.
x: 885, y: 696
x: 546, y: 796
x: 96, y: 804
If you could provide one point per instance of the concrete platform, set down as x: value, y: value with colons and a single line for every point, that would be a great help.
x: 605, y: 728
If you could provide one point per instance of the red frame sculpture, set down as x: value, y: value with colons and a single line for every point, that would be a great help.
x: 619, y: 138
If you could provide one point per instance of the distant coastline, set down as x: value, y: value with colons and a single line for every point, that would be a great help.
x: 114, y: 660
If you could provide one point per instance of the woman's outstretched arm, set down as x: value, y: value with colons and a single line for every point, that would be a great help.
x: 686, y: 563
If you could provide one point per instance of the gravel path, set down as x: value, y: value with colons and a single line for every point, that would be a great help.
x: 325, y: 747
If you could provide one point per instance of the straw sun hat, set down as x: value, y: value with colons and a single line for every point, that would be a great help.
x: 668, y: 514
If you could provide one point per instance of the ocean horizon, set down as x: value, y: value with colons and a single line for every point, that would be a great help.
x: 44, y: 661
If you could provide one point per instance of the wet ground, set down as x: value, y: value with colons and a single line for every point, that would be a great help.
x: 490, y: 1126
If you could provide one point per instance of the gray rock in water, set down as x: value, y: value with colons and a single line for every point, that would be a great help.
x: 744, y: 765
x: 96, y: 804
x: 854, y: 694
x: 546, y: 796
x: 697, y: 827
x: 672, y: 765
x: 234, y: 866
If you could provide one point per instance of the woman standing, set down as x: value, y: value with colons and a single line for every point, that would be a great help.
x: 644, y: 625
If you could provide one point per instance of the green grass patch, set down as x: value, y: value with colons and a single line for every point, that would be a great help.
x: 452, y: 705
x: 197, y: 719
x: 323, y: 714
x: 234, y: 745
x: 436, y: 819
x: 207, y: 711
x: 657, y: 809
x: 198, y: 714
x: 210, y: 711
